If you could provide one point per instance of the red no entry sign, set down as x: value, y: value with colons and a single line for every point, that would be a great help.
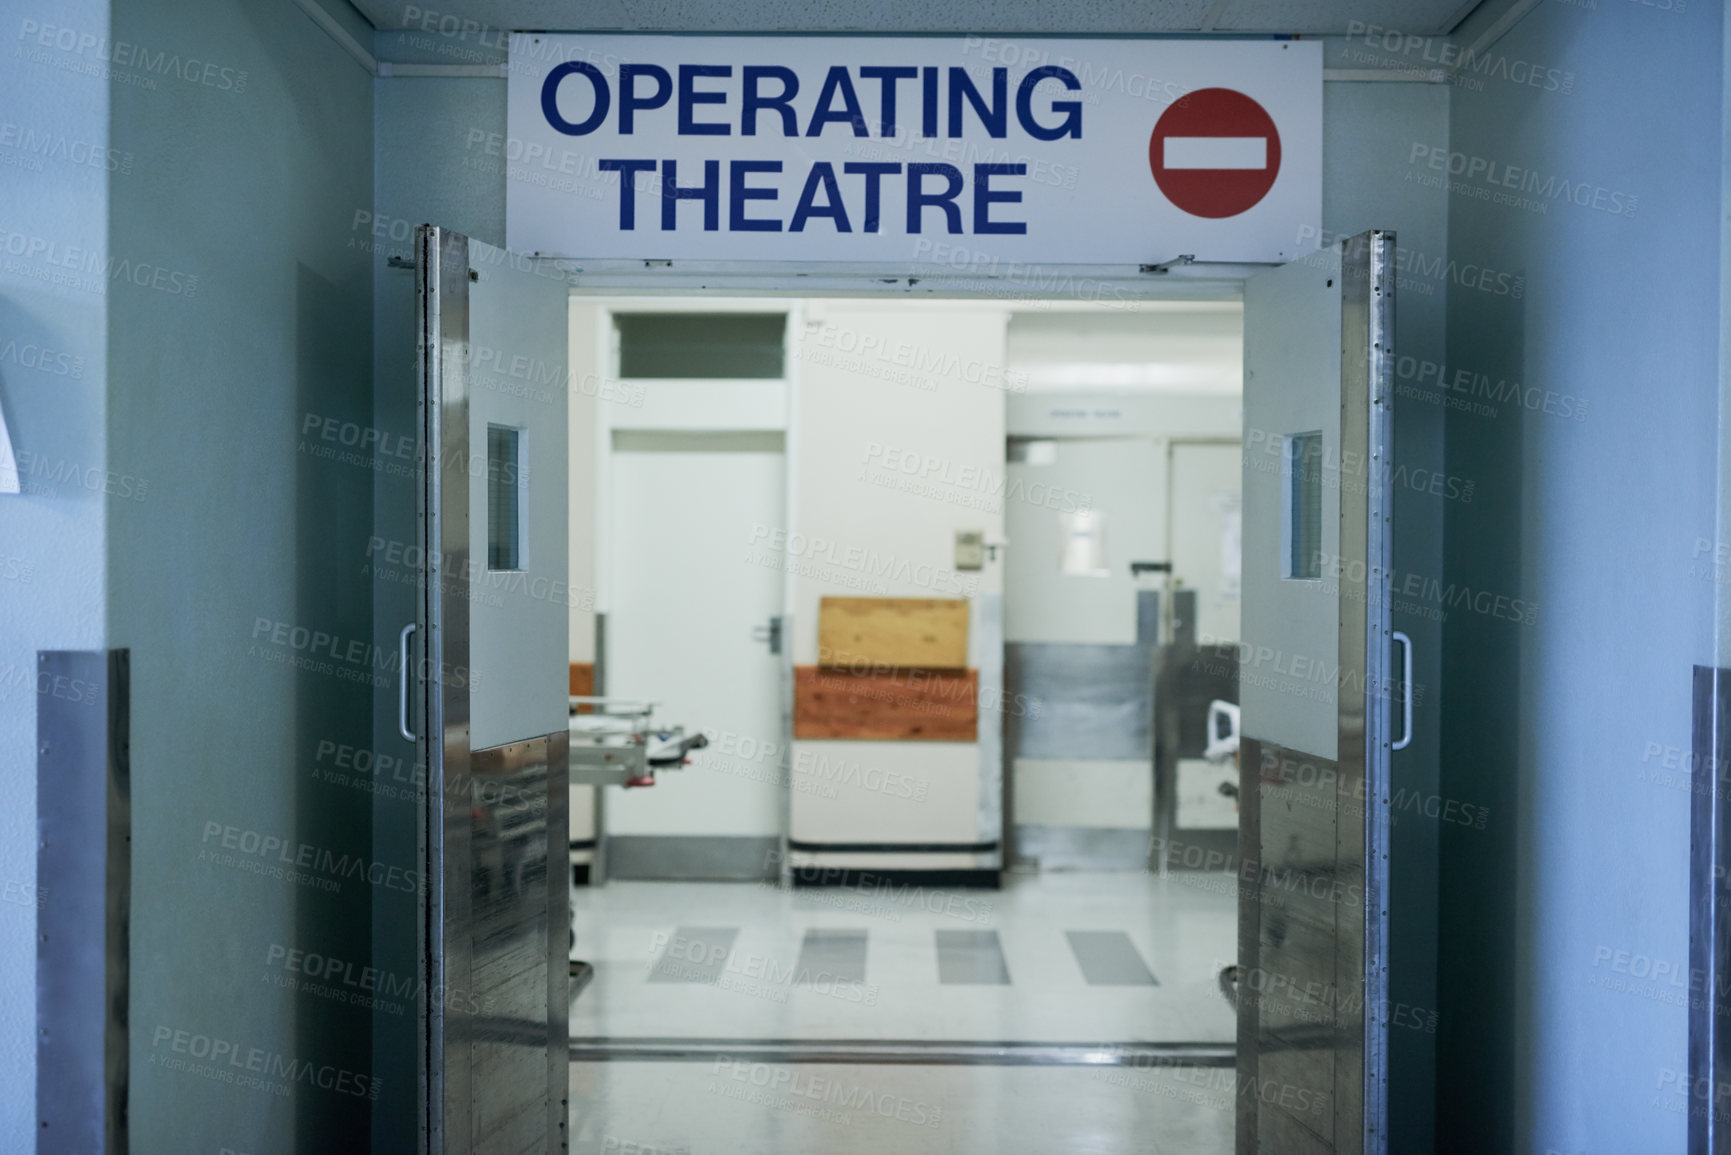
x: 1215, y: 153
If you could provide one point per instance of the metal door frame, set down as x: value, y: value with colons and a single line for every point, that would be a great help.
x: 1366, y: 513
x: 442, y: 284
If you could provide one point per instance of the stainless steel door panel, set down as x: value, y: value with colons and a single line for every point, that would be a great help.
x: 1315, y: 784
x: 495, y: 916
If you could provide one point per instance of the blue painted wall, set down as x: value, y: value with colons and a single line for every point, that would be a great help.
x: 1593, y: 518
x: 54, y: 291
x: 250, y: 168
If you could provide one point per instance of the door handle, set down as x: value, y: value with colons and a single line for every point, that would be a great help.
x: 403, y: 690
x: 770, y: 633
x: 1405, y: 691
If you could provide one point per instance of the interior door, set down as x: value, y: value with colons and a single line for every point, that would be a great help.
x: 1314, y: 691
x: 487, y: 703
x: 684, y: 502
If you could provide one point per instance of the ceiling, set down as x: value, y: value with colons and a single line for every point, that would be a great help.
x: 1023, y: 17
x: 1177, y: 347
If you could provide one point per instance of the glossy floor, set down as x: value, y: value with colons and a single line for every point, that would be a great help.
x: 1074, y: 958
x: 727, y: 1107
x: 1051, y: 958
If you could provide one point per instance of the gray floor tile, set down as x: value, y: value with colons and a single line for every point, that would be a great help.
x: 971, y: 958
x: 695, y: 954
x: 1109, y: 959
x: 829, y: 955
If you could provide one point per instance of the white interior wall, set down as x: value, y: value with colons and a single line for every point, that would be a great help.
x: 900, y: 444
x: 1163, y: 347
x: 900, y: 441
x: 1119, y: 483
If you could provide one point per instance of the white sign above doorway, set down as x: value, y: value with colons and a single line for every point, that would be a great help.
x: 967, y: 153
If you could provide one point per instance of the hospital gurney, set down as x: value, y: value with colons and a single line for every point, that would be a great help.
x: 614, y: 742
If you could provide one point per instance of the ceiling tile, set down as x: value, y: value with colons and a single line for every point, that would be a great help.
x: 1333, y: 18
x: 1074, y: 18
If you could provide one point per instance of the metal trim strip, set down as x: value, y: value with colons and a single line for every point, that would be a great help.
x: 921, y: 1052
x: 892, y: 847
x: 1709, y: 936
x: 1367, y: 397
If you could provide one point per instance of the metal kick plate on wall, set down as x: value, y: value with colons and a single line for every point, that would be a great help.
x: 84, y: 861
x: 1096, y: 700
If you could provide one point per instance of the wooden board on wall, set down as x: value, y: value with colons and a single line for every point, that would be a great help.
x: 898, y: 705
x: 906, y: 633
x: 583, y: 682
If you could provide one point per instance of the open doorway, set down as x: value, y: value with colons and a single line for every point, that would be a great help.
x: 899, y: 711
x: 909, y: 568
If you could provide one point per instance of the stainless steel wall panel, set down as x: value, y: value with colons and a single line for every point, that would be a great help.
x: 1094, y: 702
x: 83, y: 900
x: 1710, y: 905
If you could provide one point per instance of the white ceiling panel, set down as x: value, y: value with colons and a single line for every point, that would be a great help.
x: 1075, y: 18
x: 1334, y: 17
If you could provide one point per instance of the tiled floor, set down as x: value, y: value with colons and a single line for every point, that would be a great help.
x: 1056, y: 958
x: 1051, y: 958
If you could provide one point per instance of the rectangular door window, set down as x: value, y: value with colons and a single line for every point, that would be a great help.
x: 505, y: 505
x: 701, y: 346
x: 1302, y: 506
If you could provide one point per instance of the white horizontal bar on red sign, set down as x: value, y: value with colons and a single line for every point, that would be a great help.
x: 1248, y: 152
